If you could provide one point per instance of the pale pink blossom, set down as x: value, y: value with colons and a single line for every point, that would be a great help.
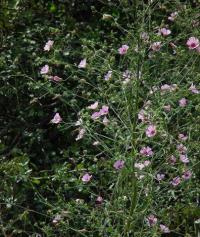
x: 93, y: 106
x: 166, y: 87
x: 99, y: 200
x: 143, y: 116
x: 96, y: 115
x: 104, y: 110
x: 164, y: 229
x: 105, y: 121
x: 56, y: 78
x: 183, y: 102
x: 151, y: 220
x: 48, y: 45
x: 151, y: 131
x: 187, y: 175
x: 139, y: 166
x: 147, y: 163
x: 108, y: 76
x: 182, y: 137
x: 160, y: 177
x: 144, y: 36
x: 44, y: 69
x: 173, y: 16
x: 82, y: 63
x: 126, y: 76
x: 119, y: 164
x: 165, y: 31
x: 123, y: 50
x: 193, y: 89
x: 56, y: 119
x: 181, y: 148
x: 176, y: 181
x: 146, y: 151
x: 192, y: 43
x: 156, y: 46
x: 184, y: 159
x: 80, y: 134
x: 172, y: 159
x: 86, y: 178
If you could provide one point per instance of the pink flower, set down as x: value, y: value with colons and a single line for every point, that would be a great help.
x: 182, y: 137
x: 160, y: 177
x: 144, y: 36
x: 192, y: 43
x: 193, y: 89
x: 187, y: 175
x: 44, y: 69
x: 108, y: 76
x: 176, y: 181
x: 151, y: 220
x: 81, y: 134
x: 48, y: 45
x: 184, y: 159
x: 164, y: 229
x: 96, y: 115
x: 139, y: 166
x: 151, y: 131
x: 166, y: 87
x: 167, y: 108
x: 147, y: 163
x: 172, y: 159
x: 156, y: 46
x: 126, y: 76
x: 56, y: 78
x: 182, y: 102
x: 82, y: 63
x: 181, y: 148
x: 146, y: 151
x: 165, y: 31
x: 119, y: 164
x: 93, y: 106
x: 173, y: 16
x: 104, y: 110
x: 123, y: 50
x: 56, y: 119
x: 86, y: 178
x: 105, y: 121
x: 99, y: 200
x: 143, y: 116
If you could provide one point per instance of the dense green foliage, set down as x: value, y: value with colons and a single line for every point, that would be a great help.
x: 42, y: 163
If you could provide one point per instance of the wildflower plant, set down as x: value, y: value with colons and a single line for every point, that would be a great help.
x: 115, y: 108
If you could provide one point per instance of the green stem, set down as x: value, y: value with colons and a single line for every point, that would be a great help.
x: 134, y: 110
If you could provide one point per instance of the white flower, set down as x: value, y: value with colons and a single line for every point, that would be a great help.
x: 82, y: 63
x: 81, y: 134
